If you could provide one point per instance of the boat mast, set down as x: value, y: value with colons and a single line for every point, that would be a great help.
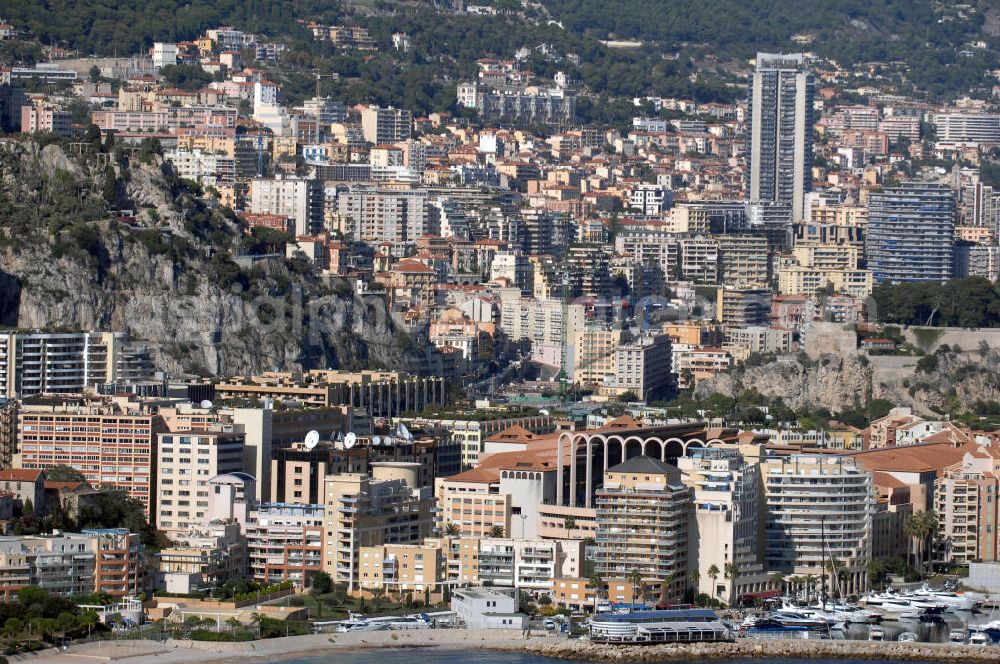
x: 823, y: 561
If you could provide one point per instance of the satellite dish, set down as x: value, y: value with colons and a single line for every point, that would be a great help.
x: 388, y: 441
x: 350, y: 440
x: 403, y: 432
x: 376, y: 441
x: 543, y: 412
x: 206, y: 404
x: 312, y: 439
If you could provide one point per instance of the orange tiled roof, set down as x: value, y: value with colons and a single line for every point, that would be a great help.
x: 19, y: 475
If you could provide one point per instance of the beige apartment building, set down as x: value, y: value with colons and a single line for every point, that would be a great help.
x: 100, y: 560
x: 185, y: 462
x: 398, y: 569
x: 643, y: 515
x: 361, y: 511
x: 966, y: 500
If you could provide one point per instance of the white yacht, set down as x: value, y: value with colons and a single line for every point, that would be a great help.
x: 950, y: 600
x: 848, y: 613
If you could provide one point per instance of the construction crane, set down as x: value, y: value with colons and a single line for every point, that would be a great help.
x: 563, y: 375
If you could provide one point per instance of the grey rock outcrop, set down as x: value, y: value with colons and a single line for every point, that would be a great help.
x: 162, y: 283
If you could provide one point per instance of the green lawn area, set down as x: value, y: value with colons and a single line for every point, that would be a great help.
x: 334, y: 606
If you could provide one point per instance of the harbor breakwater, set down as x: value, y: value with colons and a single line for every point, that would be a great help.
x: 792, y: 649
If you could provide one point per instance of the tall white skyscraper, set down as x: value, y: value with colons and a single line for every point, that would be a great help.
x: 779, y: 146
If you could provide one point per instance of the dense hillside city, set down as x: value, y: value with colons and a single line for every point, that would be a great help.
x: 664, y: 322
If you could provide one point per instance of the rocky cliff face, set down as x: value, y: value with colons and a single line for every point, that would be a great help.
x: 833, y: 382
x: 168, y: 279
x: 840, y: 382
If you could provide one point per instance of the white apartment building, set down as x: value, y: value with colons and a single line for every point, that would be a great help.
x: 386, y: 125
x: 760, y: 339
x: 205, y: 168
x: 650, y: 199
x: 185, y: 462
x: 385, y: 215
x: 293, y: 197
x: 540, y: 321
x: 967, y: 127
x: 649, y: 247
x: 514, y: 267
x: 62, y: 363
x: 529, y: 565
x: 164, y: 54
x: 726, y: 492
x: 819, y: 508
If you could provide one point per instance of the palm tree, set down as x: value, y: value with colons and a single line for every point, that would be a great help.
x: 569, y: 523
x: 922, y: 528
x: 795, y: 582
x: 910, y: 528
x: 635, y: 577
x: 930, y: 528
x: 779, y: 580
x: 876, y: 570
x: 713, y: 574
x: 255, y: 620
x: 695, y: 577
x: 730, y: 572
x: 810, y: 581
x: 668, y: 581
x: 496, y: 531
x: 233, y: 622
x: 452, y: 529
x: 832, y: 566
x: 597, y: 583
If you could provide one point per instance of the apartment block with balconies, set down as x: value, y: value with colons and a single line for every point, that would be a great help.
x: 819, y: 508
x: 643, y: 517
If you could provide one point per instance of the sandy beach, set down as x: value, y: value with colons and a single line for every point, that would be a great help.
x: 293, y: 647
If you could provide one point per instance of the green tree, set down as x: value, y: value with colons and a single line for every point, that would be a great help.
x: 28, y: 508
x: 713, y: 574
x: 810, y: 582
x: 638, y: 584
x: 63, y: 473
x: 778, y: 578
x: 321, y: 583
x: 12, y: 628
x: 452, y: 529
x: 496, y: 531
x: 596, y: 582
